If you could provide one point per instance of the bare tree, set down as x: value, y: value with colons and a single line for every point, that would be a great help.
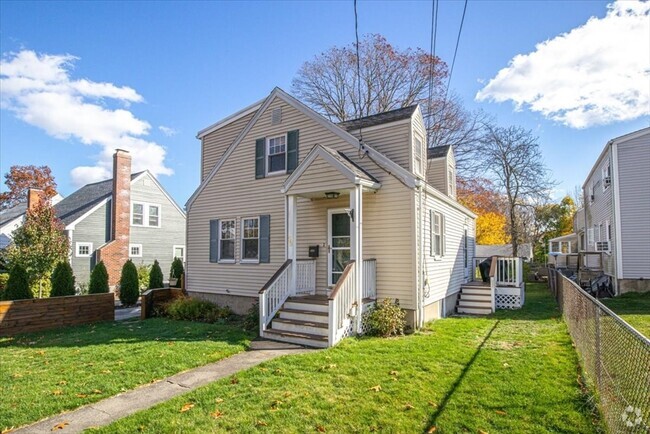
x: 512, y: 158
x: 390, y: 79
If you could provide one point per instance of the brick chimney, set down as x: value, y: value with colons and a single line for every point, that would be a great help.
x: 35, y: 197
x: 116, y: 252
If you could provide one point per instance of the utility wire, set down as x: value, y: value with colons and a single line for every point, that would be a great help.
x: 356, y: 34
x: 432, y: 48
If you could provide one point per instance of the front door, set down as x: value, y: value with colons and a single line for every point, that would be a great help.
x: 338, y: 241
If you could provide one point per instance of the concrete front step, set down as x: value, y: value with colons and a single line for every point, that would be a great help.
x: 305, y: 339
x: 303, y: 315
x: 297, y: 326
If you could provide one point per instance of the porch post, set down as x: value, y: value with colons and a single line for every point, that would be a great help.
x: 291, y: 240
x: 356, y: 248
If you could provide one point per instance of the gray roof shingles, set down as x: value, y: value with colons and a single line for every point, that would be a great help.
x: 355, y: 168
x: 437, y: 151
x: 378, y: 119
x: 9, y: 214
x: 82, y: 200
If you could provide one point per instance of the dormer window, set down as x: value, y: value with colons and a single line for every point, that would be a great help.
x: 607, y: 176
x: 417, y: 155
x: 276, y: 150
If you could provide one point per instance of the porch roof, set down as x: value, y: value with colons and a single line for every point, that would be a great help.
x: 349, y: 170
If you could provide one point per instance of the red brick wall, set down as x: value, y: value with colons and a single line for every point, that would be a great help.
x: 116, y: 252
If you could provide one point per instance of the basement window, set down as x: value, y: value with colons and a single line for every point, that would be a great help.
x: 135, y: 250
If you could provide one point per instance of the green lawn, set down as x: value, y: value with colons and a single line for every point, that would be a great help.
x: 633, y: 308
x: 43, y: 374
x: 513, y: 372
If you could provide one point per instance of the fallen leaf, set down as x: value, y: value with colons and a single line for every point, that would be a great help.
x: 218, y: 400
x: 287, y: 394
x: 432, y: 429
x: 17, y: 375
x: 264, y: 369
x: 501, y: 412
x: 106, y: 371
x: 320, y: 428
x: 275, y: 404
x: 61, y: 425
x: 408, y: 407
x: 57, y: 392
x: 216, y: 414
x: 482, y: 432
x: 505, y: 365
x: 62, y: 383
x: 278, y: 371
x: 187, y: 407
x: 234, y: 380
x: 376, y: 388
x: 262, y: 423
x: 394, y: 372
x: 97, y: 392
x: 433, y: 404
x: 40, y: 353
x: 7, y: 430
x: 81, y: 395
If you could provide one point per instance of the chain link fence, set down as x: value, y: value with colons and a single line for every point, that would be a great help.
x: 615, y: 357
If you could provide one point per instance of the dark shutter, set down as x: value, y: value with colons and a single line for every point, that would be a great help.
x: 265, y: 238
x: 292, y: 150
x: 260, y: 158
x: 214, y: 240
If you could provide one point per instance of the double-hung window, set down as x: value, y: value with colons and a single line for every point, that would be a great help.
x: 437, y: 234
x: 417, y: 154
x: 145, y: 214
x: 607, y: 176
x: 250, y: 239
x: 227, y: 240
x: 276, y: 152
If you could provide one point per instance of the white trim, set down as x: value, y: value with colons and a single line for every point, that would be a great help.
x: 145, y: 214
x: 139, y: 247
x: 395, y: 169
x: 83, y: 244
x: 229, y: 119
x: 101, y: 203
x: 441, y: 227
x: 616, y: 194
x: 320, y: 151
x: 178, y: 246
x: 241, y: 241
x: 423, y: 160
x: 234, y: 239
x: 449, y: 201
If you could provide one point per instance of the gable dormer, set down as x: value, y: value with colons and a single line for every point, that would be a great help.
x: 441, y: 172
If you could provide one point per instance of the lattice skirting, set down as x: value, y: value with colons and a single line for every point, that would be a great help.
x: 364, y: 323
x: 509, y: 298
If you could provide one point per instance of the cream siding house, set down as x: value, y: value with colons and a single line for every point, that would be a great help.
x: 317, y: 220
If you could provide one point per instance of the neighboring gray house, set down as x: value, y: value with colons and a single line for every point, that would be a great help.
x: 151, y: 226
x: 616, y: 215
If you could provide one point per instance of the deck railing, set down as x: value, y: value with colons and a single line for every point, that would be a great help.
x: 306, y: 276
x: 273, y: 295
x: 369, y: 279
x: 507, y: 287
x: 509, y: 271
x: 343, y: 305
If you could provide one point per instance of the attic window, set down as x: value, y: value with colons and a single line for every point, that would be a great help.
x: 276, y: 116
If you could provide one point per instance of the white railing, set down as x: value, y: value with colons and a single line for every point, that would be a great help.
x: 509, y: 271
x: 273, y: 295
x: 343, y: 305
x: 369, y: 279
x: 305, y: 276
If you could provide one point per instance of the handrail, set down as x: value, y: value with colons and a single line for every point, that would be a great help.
x: 275, y: 276
x: 493, y: 266
x: 339, y: 283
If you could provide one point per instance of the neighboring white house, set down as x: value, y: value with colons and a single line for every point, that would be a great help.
x: 301, y: 214
x: 484, y: 251
x: 13, y: 218
x: 615, y: 219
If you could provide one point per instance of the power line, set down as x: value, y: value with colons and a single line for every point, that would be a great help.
x: 432, y: 48
x: 356, y: 34
x: 453, y: 62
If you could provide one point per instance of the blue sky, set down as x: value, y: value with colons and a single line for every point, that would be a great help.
x: 184, y: 65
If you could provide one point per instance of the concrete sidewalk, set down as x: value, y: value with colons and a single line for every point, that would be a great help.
x: 111, y: 409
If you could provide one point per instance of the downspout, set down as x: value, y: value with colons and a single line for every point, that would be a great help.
x: 421, y: 283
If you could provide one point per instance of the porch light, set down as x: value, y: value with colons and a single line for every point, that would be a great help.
x: 332, y: 194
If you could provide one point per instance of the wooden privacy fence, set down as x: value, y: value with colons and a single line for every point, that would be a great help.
x: 24, y: 316
x: 155, y: 297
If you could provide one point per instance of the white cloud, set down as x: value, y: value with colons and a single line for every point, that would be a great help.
x: 39, y: 90
x: 595, y: 74
x: 168, y: 131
